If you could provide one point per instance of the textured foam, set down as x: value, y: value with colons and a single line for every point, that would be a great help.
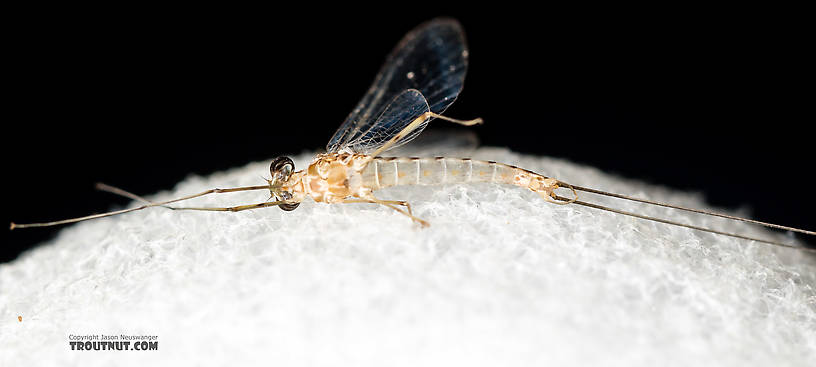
x: 499, y: 278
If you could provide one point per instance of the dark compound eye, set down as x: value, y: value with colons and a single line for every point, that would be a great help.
x: 281, y: 168
x: 289, y: 207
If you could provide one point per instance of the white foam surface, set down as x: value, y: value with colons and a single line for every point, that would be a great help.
x: 499, y: 278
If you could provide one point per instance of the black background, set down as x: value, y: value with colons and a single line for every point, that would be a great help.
x: 714, y: 101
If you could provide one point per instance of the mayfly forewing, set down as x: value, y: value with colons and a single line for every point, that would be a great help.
x: 403, y: 109
x: 432, y: 59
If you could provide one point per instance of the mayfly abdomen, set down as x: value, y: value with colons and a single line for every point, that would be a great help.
x: 387, y: 172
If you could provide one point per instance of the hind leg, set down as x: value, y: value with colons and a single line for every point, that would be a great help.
x: 391, y: 204
x: 417, y: 123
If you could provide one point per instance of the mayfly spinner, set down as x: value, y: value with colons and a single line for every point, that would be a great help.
x: 421, y: 77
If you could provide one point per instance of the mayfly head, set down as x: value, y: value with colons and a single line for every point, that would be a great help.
x: 281, y: 170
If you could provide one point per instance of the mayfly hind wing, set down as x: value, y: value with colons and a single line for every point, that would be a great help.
x: 403, y: 110
x: 431, y: 59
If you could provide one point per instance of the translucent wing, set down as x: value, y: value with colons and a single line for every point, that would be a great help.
x: 431, y: 59
x: 403, y: 109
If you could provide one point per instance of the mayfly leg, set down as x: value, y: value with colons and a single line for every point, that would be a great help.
x: 377, y: 201
x: 145, y: 206
x: 418, y: 122
x: 391, y: 204
x: 118, y: 191
x: 234, y: 208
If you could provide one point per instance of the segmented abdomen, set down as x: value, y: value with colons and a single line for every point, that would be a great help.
x: 386, y: 172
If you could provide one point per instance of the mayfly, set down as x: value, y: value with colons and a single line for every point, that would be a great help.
x: 421, y: 77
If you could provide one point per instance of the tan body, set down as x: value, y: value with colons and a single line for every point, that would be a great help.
x: 342, y: 177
